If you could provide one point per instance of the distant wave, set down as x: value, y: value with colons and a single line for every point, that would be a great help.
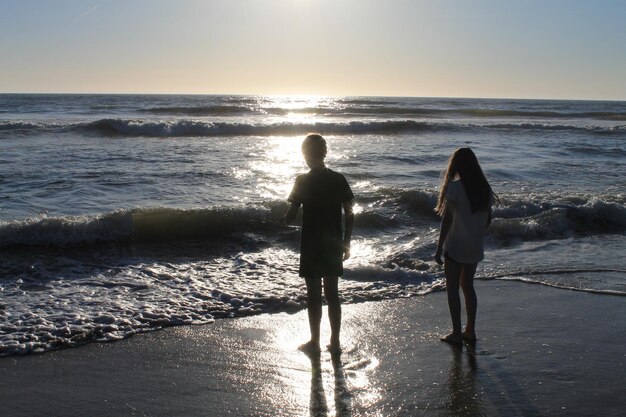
x: 606, y: 115
x: 455, y: 113
x: 215, y: 110
x: 18, y: 125
x: 121, y: 127
x: 373, y: 108
x: 552, y: 127
x: 199, y: 128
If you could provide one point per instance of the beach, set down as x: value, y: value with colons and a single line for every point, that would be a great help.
x: 541, y: 351
x: 174, y: 174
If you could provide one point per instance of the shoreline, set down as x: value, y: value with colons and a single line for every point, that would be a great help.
x: 541, y: 351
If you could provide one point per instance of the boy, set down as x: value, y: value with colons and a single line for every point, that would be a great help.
x: 322, y: 194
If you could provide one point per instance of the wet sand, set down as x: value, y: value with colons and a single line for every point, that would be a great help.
x: 541, y: 351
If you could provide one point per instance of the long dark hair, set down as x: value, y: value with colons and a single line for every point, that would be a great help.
x: 464, y: 165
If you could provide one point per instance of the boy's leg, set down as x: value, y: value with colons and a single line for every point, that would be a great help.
x: 453, y: 272
x: 471, y: 301
x: 331, y: 291
x: 314, y: 307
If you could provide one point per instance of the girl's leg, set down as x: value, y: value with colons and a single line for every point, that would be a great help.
x: 314, y: 308
x: 331, y: 292
x: 471, y: 302
x: 453, y: 271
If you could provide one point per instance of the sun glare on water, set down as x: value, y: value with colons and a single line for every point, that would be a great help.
x: 297, y: 102
x: 281, y: 163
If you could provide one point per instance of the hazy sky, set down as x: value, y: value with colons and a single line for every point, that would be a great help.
x: 462, y: 48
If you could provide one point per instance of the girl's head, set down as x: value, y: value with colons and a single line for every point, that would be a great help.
x: 464, y: 165
x: 314, y: 150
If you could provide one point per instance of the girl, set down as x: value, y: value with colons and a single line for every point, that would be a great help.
x: 465, y: 207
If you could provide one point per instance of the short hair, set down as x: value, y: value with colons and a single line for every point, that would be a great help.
x: 314, y: 145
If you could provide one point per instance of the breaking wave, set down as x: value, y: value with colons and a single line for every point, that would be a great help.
x: 513, y: 220
x: 117, y: 127
x: 142, y: 225
x: 371, y: 107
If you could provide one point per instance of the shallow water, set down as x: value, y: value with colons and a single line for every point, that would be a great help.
x: 121, y: 214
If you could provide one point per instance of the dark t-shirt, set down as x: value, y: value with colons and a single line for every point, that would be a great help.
x: 321, y: 193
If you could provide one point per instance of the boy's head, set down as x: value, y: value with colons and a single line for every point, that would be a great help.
x: 314, y: 149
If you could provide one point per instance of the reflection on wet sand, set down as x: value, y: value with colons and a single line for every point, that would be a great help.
x: 343, y: 397
x: 318, y: 405
x: 327, y: 384
x: 463, y: 399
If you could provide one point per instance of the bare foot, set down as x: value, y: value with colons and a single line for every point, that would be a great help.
x: 453, y: 339
x: 310, y: 348
x: 334, y: 348
x: 469, y: 337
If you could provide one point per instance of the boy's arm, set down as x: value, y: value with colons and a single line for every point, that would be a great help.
x: 348, y: 208
x: 291, y: 213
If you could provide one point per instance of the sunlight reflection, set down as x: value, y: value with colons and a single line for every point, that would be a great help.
x: 361, y: 252
x: 300, y: 118
x: 241, y: 174
x: 282, y: 162
x: 362, y: 185
x: 299, y: 109
x: 328, y: 385
x: 361, y: 383
x: 298, y: 102
x: 289, y: 338
x: 360, y: 380
x: 325, y: 385
x: 306, y: 379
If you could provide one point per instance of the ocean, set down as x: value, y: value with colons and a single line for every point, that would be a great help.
x: 122, y: 214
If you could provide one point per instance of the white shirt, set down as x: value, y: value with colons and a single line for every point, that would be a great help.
x: 464, y: 242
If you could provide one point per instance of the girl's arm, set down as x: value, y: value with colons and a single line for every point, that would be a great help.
x: 443, y: 233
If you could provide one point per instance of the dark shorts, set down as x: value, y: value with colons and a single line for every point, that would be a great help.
x: 448, y: 257
x: 318, y: 261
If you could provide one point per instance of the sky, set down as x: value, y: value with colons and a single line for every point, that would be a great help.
x: 567, y: 49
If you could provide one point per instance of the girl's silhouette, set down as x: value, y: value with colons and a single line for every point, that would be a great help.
x: 464, y: 204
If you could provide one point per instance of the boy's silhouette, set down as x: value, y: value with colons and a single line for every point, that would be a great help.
x: 323, y: 247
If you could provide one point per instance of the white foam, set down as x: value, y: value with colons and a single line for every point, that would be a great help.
x: 62, y: 310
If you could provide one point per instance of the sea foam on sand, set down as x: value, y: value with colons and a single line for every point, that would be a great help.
x: 541, y: 351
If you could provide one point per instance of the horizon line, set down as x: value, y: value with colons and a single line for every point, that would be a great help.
x: 306, y: 95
